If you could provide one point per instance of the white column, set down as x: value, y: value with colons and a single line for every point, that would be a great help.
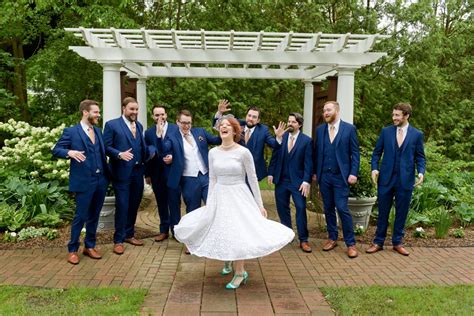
x: 308, y: 108
x: 345, y: 93
x: 112, y: 107
x: 141, y: 99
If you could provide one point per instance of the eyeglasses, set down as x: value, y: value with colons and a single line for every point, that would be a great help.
x: 184, y: 123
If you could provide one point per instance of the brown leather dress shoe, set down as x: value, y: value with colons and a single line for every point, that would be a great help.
x: 73, y: 258
x: 161, y: 237
x: 92, y: 253
x: 134, y: 241
x: 401, y: 250
x: 329, y: 245
x: 305, y: 247
x: 352, y: 252
x: 374, y: 248
x: 119, y: 249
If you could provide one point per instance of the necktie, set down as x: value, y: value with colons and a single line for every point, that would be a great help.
x: 90, y: 132
x: 332, y: 133
x: 247, y: 135
x: 291, y: 143
x: 188, y: 138
x: 133, y: 128
x: 400, y: 137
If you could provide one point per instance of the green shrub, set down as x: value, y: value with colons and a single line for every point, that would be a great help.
x: 364, y: 186
x: 442, y: 222
x: 458, y: 233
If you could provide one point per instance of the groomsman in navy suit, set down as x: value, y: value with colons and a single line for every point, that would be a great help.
x: 88, y: 177
x: 402, y: 149
x: 254, y: 136
x: 188, y: 156
x: 127, y: 150
x: 290, y: 169
x: 157, y: 171
x: 337, y: 161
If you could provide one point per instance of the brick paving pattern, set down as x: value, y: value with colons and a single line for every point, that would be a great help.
x: 285, y: 282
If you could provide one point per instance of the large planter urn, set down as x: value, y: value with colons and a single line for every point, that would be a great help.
x: 360, y: 209
x: 107, y: 214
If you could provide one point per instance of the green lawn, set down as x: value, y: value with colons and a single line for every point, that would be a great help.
x: 379, y: 300
x: 22, y: 300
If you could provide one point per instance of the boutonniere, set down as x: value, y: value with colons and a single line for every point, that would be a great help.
x: 201, y: 138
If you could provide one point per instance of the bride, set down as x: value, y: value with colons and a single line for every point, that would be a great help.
x: 232, y: 226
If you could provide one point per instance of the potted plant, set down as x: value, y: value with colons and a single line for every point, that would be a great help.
x: 363, y: 194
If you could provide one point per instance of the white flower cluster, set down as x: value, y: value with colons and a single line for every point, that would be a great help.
x: 420, y: 229
x: 30, y: 151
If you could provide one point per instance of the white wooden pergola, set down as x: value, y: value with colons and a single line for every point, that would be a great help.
x: 145, y: 53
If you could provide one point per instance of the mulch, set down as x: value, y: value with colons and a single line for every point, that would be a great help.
x: 319, y: 231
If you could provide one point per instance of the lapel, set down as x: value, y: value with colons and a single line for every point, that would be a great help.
x: 339, y: 132
x: 322, y: 138
x: 100, y: 140
x: 295, y: 144
x: 407, y: 138
x: 83, y: 135
x: 126, y: 130
x: 393, y: 138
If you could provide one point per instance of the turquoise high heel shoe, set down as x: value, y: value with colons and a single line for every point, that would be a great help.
x: 232, y: 286
x: 227, y: 268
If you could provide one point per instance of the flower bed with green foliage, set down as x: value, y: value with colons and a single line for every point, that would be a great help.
x: 33, y: 186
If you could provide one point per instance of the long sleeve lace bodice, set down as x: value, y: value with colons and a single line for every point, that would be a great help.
x: 230, y: 167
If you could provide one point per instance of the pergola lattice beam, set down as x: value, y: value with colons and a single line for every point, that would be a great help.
x: 142, y: 55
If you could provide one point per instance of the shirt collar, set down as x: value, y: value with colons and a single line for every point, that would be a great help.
x: 336, y: 125
x: 404, y: 128
x: 85, y: 126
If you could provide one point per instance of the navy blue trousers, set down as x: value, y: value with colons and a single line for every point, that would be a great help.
x: 385, y: 196
x: 283, y: 191
x: 128, y: 195
x: 88, y: 206
x: 335, y: 193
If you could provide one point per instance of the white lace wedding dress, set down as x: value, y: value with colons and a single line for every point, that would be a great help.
x: 230, y: 226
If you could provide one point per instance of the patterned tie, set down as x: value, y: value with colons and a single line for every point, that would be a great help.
x: 247, y: 135
x: 332, y: 133
x: 133, y: 128
x: 400, y: 137
x: 90, y: 132
x: 291, y: 143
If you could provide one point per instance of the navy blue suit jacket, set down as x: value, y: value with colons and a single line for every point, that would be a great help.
x: 117, y: 139
x: 81, y: 173
x: 300, y: 160
x: 412, y: 154
x: 347, y: 150
x: 260, y: 136
x: 156, y: 165
x: 173, y: 144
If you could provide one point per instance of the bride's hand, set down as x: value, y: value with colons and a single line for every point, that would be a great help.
x: 264, y: 212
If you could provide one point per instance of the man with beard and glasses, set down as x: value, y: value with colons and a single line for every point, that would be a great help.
x: 88, y: 177
x: 290, y: 169
x: 254, y: 135
x: 336, y: 166
x: 402, y: 149
x: 156, y: 172
x: 127, y: 150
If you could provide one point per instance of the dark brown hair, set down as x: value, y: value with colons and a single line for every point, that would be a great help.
x: 298, y: 117
x: 185, y: 113
x: 404, y: 107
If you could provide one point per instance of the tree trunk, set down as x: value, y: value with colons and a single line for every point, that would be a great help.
x: 19, y: 80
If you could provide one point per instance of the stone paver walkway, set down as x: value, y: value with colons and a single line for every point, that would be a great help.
x: 285, y: 282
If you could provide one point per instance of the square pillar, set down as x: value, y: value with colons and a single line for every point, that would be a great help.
x: 141, y: 99
x: 111, y: 103
x: 308, y: 108
x: 345, y: 93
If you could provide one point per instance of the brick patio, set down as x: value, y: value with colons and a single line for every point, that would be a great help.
x: 285, y: 282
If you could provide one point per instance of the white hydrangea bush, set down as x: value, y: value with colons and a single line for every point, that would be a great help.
x: 28, y: 152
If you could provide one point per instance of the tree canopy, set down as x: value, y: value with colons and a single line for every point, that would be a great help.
x: 429, y: 62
